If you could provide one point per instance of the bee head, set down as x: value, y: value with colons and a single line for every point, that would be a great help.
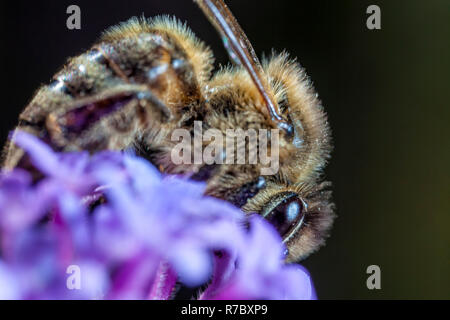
x: 293, y: 199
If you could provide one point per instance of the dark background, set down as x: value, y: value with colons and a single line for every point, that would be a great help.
x: 386, y: 93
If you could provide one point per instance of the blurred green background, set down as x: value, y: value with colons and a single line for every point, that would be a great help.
x: 387, y: 94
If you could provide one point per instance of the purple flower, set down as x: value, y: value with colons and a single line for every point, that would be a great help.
x: 110, y: 226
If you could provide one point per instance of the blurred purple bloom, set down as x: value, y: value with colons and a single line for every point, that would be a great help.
x: 132, y: 233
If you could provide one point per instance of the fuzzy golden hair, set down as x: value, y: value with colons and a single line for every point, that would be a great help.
x: 200, y: 55
x: 302, y: 162
x: 124, y: 67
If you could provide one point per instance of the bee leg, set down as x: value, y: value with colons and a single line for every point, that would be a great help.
x: 108, y: 120
x: 148, y: 96
x: 85, y: 113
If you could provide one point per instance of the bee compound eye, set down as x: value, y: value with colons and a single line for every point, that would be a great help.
x: 287, y: 215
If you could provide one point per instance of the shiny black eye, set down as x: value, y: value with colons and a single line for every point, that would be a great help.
x: 287, y: 214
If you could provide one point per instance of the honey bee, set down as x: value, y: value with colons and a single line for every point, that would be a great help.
x: 145, y: 78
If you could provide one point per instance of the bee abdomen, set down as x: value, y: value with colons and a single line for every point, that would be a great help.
x: 153, y: 58
x: 137, y: 76
x: 156, y: 61
x: 85, y: 75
